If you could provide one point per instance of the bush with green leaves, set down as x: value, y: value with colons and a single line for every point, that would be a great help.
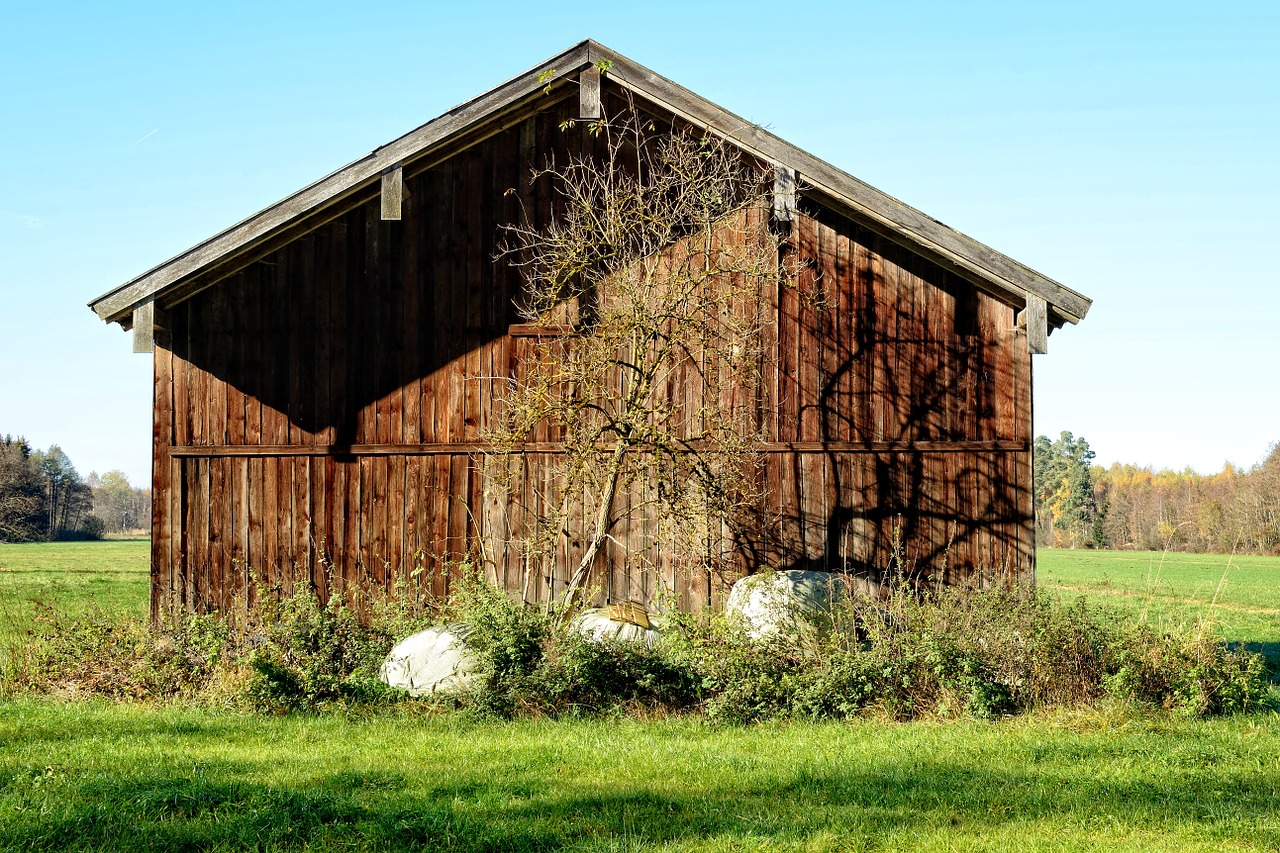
x: 936, y: 652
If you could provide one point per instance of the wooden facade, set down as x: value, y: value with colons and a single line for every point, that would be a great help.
x: 323, y: 386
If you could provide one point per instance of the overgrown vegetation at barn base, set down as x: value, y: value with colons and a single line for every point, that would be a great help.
x: 947, y: 652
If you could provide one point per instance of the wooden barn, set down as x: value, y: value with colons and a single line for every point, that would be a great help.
x: 327, y: 370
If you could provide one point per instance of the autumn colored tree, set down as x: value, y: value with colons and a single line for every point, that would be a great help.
x: 1066, y: 508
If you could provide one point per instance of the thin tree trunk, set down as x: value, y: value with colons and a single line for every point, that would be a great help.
x: 602, y: 527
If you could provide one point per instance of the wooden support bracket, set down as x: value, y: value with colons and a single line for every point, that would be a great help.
x: 145, y: 327
x: 1034, y: 319
x: 784, y: 193
x: 589, y: 94
x: 392, y: 191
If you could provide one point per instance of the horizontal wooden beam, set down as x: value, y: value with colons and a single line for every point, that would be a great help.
x: 539, y: 330
x: 392, y: 192
x: 469, y: 448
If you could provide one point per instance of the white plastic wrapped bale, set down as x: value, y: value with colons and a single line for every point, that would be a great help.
x: 785, y: 603
x: 437, y: 660
x: 628, y: 623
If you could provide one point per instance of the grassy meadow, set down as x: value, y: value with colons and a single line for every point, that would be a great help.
x: 77, y: 579
x: 97, y: 776
x: 94, y: 776
x: 1236, y: 597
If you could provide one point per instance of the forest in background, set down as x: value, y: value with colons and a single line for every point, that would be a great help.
x: 44, y: 497
x: 1082, y: 505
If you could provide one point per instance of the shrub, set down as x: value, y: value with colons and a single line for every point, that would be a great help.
x: 948, y: 652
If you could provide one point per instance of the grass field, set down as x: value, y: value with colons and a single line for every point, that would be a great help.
x: 96, y: 776
x: 1237, y: 597
x: 92, y: 776
x: 74, y: 578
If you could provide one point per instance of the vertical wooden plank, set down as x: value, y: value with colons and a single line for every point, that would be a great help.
x: 410, y: 320
x: 302, y: 557
x: 443, y: 291
x: 397, y: 512
x: 317, y: 476
x: 840, y: 408
x: 472, y: 295
x: 412, y: 521
x: 1036, y: 321
x: 232, y: 376
x: 144, y: 327
x: 219, y: 532
x: 365, y: 301
x: 184, y: 589
x: 335, y: 503
x: 459, y: 481
x: 307, y: 298
x: 884, y: 345
x: 275, y: 348
x: 784, y: 193
x: 354, y: 567
x: 271, y: 560
x: 589, y: 94
x: 163, y: 574
x: 807, y: 320
x: 392, y: 192
x: 180, y: 372
x: 198, y: 387
x: 1003, y: 405
x: 320, y: 371
x: 788, y: 393
x: 285, y: 543
x: 197, y: 527
x: 372, y: 527
x: 862, y: 334
x: 240, y: 583
x: 341, y: 330
x: 438, y: 494
x: 220, y: 332
x: 390, y: 340
x: 255, y: 484
x: 252, y: 351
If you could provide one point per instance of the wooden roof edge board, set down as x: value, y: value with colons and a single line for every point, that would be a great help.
x: 900, y: 222
x: 116, y: 304
x: 914, y: 226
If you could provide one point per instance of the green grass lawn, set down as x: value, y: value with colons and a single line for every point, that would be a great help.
x: 96, y: 776
x: 75, y: 578
x: 1236, y: 597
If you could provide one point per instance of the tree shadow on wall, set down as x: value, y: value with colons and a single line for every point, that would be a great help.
x: 910, y: 387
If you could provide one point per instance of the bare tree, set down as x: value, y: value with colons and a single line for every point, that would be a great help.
x: 645, y: 285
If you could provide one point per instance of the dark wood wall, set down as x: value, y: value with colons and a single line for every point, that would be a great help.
x: 319, y: 414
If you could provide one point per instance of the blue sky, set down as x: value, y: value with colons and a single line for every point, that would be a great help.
x: 1127, y: 150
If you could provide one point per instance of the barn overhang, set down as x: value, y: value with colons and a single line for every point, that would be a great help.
x: 139, y: 304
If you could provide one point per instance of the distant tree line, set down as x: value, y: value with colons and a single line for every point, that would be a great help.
x: 44, y: 498
x: 1079, y: 504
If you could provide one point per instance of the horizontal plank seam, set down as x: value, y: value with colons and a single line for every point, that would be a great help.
x: 265, y: 450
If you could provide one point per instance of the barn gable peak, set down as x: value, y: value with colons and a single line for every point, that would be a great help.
x: 1044, y: 303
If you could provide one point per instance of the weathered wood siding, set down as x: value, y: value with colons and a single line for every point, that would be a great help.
x: 319, y: 413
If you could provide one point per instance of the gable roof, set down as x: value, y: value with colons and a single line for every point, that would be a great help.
x: 202, y: 265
